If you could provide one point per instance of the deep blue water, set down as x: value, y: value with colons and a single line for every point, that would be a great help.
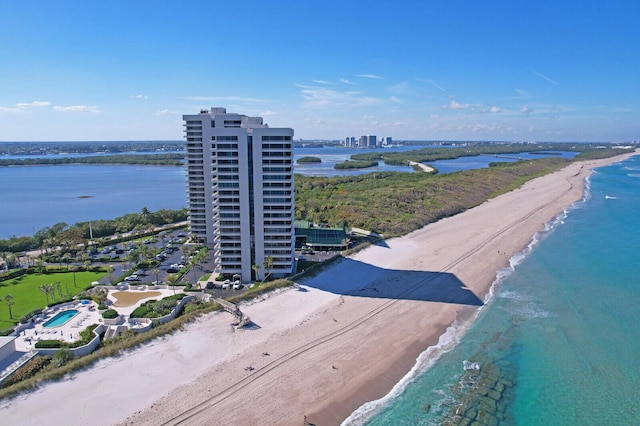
x: 559, y: 340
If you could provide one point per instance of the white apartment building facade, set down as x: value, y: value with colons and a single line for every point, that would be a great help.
x: 240, y: 191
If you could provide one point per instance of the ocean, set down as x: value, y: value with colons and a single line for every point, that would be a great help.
x: 557, y: 340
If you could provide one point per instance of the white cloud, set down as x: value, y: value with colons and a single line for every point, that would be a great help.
x: 495, y: 109
x: 13, y: 110
x: 267, y: 113
x: 345, y: 81
x: 483, y: 127
x: 163, y: 112
x: 141, y: 96
x: 78, y: 108
x: 455, y: 105
x: 373, y: 76
x: 525, y: 109
x: 434, y: 116
x: 23, y: 107
x: 34, y: 104
x: 323, y: 82
x: 324, y: 97
x: 522, y: 92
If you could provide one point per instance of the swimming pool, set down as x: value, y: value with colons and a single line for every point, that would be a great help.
x: 61, y: 318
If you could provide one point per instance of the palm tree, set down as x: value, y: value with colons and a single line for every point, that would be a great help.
x: 193, y: 264
x: 268, y: 264
x: 144, y: 214
x: 73, y: 270
x: 156, y: 271
x: 256, y: 270
x: 47, y: 289
x: 40, y: 266
x: 9, y: 301
x: 172, y: 279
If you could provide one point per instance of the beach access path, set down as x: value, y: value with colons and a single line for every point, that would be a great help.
x: 324, y: 348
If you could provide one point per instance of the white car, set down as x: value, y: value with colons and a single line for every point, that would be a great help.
x: 237, y: 285
x: 226, y: 285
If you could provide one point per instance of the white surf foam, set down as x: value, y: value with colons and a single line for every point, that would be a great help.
x: 468, y: 365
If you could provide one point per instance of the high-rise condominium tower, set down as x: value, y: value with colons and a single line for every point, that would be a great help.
x: 240, y: 189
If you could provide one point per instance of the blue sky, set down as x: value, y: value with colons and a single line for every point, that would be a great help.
x: 420, y: 70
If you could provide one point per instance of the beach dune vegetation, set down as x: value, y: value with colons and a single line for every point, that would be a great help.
x: 394, y: 204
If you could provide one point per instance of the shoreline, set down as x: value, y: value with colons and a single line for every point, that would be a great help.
x: 339, y: 340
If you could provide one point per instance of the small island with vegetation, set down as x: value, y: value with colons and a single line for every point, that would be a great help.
x: 308, y: 159
x: 355, y: 164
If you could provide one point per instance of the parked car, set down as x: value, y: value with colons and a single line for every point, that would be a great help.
x: 237, y: 285
x: 173, y: 270
x: 226, y: 285
x: 133, y: 277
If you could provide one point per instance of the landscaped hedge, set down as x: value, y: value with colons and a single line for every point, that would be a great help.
x: 110, y: 314
x: 178, y: 296
x: 48, y: 344
x: 155, y: 308
x: 6, y: 331
x: 141, y: 312
x: 26, y: 317
x: 86, y: 336
x: 12, y: 274
x: 60, y: 302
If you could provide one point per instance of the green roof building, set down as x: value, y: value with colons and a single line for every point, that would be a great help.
x: 320, y: 237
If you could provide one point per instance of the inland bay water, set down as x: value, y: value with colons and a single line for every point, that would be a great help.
x: 34, y: 197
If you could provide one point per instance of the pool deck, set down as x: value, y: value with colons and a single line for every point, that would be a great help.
x: 87, y: 314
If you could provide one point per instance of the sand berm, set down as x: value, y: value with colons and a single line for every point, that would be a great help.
x: 320, y: 349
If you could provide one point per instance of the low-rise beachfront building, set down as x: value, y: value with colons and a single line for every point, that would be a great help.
x: 320, y: 237
x: 240, y: 191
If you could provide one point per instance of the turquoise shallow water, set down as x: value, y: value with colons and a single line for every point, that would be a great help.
x: 558, y: 343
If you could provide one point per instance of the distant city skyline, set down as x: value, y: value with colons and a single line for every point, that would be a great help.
x: 461, y: 70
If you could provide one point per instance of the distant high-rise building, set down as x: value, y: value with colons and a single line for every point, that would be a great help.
x: 349, y: 141
x: 240, y: 190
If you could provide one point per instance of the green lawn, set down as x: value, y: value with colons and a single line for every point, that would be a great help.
x: 27, y: 296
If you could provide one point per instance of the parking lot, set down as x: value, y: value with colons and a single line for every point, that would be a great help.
x: 171, y: 260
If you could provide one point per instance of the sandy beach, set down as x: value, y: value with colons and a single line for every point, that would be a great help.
x: 324, y: 347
